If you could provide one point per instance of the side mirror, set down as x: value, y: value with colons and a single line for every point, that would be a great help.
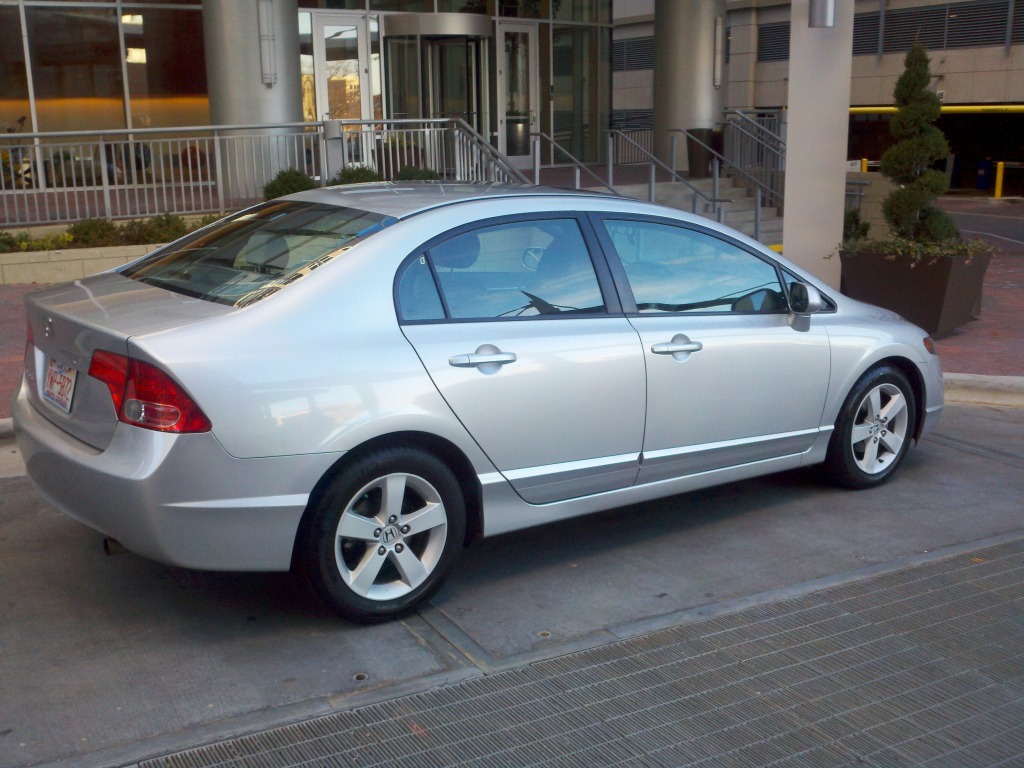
x: 804, y: 299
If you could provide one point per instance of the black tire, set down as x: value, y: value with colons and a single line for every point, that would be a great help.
x: 373, y: 558
x: 873, y: 431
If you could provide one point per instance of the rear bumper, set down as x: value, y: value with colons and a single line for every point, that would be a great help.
x: 178, y: 499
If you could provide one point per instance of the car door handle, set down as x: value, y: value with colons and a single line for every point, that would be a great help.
x: 477, y: 359
x: 674, y: 347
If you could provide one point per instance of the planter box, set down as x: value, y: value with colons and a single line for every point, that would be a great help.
x: 67, y: 264
x: 939, y: 296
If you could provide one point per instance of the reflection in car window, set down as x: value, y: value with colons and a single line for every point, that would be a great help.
x: 515, y: 269
x: 674, y: 269
x: 255, y: 253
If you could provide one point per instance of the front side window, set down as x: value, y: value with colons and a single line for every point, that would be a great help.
x: 510, y: 270
x: 675, y: 269
x: 256, y: 253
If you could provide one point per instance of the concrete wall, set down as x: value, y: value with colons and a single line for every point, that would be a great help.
x: 876, y: 188
x: 68, y: 264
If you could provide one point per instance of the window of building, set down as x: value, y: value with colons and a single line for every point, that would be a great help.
x: 76, y: 68
x: 166, y: 64
x: 14, y: 106
x: 579, y: 70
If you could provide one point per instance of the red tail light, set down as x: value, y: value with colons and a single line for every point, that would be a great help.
x: 145, y: 396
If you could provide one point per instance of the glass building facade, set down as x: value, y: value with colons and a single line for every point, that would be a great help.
x: 508, y: 67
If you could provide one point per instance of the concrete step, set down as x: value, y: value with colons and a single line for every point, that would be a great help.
x: 738, y: 213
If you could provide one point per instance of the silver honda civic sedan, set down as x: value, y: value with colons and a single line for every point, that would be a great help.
x: 357, y: 382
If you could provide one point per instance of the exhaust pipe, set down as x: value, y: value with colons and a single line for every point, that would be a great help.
x: 113, y: 546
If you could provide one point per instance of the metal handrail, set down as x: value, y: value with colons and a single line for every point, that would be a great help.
x: 579, y: 165
x: 767, y: 192
x: 775, y: 141
x: 496, y: 157
x: 714, y: 201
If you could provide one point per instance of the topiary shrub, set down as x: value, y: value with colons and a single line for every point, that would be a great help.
x: 354, y: 174
x: 908, y: 162
x: 95, y: 233
x: 415, y: 173
x: 286, y: 182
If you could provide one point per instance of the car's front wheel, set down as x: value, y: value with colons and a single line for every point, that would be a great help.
x: 383, y: 535
x: 874, y: 429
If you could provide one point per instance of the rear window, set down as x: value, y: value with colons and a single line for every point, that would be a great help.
x: 256, y: 253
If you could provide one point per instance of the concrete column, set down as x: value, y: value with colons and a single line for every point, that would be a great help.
x: 684, y: 63
x: 238, y: 95
x: 820, y: 64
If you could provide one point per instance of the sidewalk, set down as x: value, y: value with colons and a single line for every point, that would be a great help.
x: 921, y: 665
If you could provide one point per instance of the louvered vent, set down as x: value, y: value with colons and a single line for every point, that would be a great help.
x: 632, y: 119
x: 904, y: 28
x: 1017, y: 35
x: 633, y: 53
x: 865, y: 33
x: 982, y: 22
x: 773, y: 41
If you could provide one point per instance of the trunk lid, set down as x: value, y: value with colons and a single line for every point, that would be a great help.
x: 68, y: 322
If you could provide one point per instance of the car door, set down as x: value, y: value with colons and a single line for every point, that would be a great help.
x: 729, y: 381
x: 524, y: 339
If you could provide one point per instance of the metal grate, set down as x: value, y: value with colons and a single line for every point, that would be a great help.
x: 773, y: 41
x: 975, y: 24
x: 920, y: 666
x: 904, y: 28
x: 865, y: 33
x: 632, y: 54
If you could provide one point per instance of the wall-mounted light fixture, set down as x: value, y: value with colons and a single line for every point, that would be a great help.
x: 822, y: 14
x: 268, y: 62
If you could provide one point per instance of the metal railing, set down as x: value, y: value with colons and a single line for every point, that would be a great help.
x: 713, y: 203
x: 578, y: 166
x: 753, y: 146
x: 633, y: 146
x: 449, y: 147
x: 67, y: 176
x: 71, y: 175
x: 768, y: 194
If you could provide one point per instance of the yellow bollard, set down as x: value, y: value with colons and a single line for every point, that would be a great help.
x: 863, y: 165
x: 1000, y: 168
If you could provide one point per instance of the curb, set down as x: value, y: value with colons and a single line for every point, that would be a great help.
x: 960, y: 388
x: 984, y: 390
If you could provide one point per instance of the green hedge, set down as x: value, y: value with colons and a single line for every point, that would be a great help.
x: 102, y: 233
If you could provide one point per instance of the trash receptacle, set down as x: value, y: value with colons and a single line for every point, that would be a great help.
x: 698, y: 156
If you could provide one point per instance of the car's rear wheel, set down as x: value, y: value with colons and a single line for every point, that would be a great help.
x: 874, y: 429
x: 383, y: 535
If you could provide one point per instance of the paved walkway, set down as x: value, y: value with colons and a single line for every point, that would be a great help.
x: 920, y: 666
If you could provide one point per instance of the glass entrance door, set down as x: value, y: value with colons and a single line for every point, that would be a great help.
x: 518, y: 90
x: 347, y: 66
x: 453, y: 84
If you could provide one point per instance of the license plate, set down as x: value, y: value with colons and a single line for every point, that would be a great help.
x: 60, y: 384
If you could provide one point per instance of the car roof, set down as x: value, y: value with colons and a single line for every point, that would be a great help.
x: 403, y: 199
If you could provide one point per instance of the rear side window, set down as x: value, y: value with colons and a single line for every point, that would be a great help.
x: 256, y: 253
x: 510, y: 270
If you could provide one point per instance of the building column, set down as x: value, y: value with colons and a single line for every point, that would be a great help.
x: 818, y: 121
x: 235, y: 69
x: 685, y: 95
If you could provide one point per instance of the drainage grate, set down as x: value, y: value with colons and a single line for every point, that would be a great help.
x: 919, y: 667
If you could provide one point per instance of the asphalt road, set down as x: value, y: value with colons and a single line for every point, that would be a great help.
x: 108, y: 659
